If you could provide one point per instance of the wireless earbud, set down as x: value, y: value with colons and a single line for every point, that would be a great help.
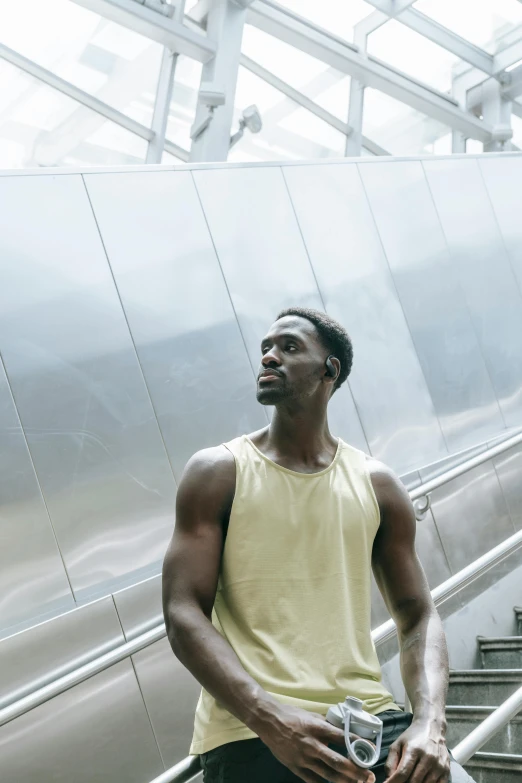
x: 329, y: 366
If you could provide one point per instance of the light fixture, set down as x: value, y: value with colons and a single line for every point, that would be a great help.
x: 251, y: 119
x: 210, y: 95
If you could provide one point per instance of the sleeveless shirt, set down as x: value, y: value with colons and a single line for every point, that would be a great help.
x: 294, y: 591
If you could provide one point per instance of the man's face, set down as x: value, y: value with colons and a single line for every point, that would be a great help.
x: 292, y: 362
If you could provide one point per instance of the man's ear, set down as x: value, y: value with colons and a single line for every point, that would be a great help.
x: 333, y: 367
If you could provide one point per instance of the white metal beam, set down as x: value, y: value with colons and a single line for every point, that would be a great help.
x: 162, y: 105
x: 512, y: 86
x: 355, y: 140
x: 370, y: 24
x: 354, y: 143
x: 306, y: 102
x: 496, y: 110
x: 391, y: 7
x: 103, y: 109
x: 176, y: 150
x: 212, y: 125
x: 109, y: 112
x: 164, y: 95
x: 129, y: 79
x: 516, y: 108
x: 435, y: 32
x: 294, y: 94
x: 509, y: 55
x: 151, y: 24
x: 449, y: 40
x: 371, y: 72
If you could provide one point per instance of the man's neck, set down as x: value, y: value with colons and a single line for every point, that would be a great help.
x: 298, y: 436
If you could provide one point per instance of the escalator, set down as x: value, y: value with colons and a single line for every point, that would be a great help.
x: 41, y: 732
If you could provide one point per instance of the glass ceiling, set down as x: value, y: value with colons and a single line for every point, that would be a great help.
x: 479, y: 21
x: 44, y: 126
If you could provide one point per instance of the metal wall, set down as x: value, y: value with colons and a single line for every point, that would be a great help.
x: 132, y: 305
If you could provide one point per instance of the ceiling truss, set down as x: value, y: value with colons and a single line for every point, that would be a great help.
x: 495, y: 79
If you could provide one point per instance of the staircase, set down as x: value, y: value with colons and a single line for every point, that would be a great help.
x: 481, y: 690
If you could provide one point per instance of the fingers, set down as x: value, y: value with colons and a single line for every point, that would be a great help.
x: 338, y: 769
x: 422, y: 770
x: 330, y: 733
x: 438, y: 771
x: 353, y: 775
x: 414, y: 766
x: 404, y: 769
x: 436, y: 777
x: 394, y: 757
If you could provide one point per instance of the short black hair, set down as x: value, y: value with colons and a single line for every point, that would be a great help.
x: 334, y: 337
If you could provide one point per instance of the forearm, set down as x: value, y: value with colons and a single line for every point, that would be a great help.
x: 212, y: 661
x: 424, y: 668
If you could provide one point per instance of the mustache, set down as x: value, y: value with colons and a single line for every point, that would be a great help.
x: 269, y: 371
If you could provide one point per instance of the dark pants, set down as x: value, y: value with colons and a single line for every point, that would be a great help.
x: 250, y: 761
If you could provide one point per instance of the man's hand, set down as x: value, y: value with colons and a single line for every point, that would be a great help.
x: 299, y: 739
x: 419, y: 755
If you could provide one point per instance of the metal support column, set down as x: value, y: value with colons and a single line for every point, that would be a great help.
x: 354, y: 143
x: 458, y: 139
x: 214, y: 114
x: 496, y: 110
x: 353, y: 146
x: 164, y: 96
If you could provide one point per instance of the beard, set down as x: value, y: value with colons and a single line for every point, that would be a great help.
x: 283, y: 392
x: 272, y: 396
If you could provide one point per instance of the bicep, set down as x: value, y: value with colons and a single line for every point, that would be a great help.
x: 396, y: 566
x: 193, y: 558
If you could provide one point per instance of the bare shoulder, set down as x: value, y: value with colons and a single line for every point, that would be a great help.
x: 388, y: 487
x: 206, y: 463
x: 209, y: 474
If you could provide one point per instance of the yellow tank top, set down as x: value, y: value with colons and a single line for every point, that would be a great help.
x: 294, y: 591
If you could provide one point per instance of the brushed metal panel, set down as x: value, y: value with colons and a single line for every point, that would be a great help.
x: 171, y: 694
x: 33, y: 580
x: 96, y: 732
x: 41, y: 654
x: 178, y: 308
x: 509, y: 471
x: 434, y: 305
x: 435, y: 469
x: 433, y: 559
x: 348, y: 260
x: 169, y: 690
x: 139, y: 607
x: 261, y: 252
x: 471, y: 516
x: 486, y: 276
x: 503, y: 177
x: 431, y: 553
x: 78, y: 386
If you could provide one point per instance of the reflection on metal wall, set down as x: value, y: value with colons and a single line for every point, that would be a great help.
x: 132, y: 305
x: 78, y: 386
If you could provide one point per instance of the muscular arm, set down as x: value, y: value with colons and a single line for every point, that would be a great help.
x: 297, y: 738
x: 420, y: 755
x: 190, y: 577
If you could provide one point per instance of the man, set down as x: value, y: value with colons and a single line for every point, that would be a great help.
x: 267, y: 587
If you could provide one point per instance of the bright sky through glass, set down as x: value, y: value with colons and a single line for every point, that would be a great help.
x: 40, y: 126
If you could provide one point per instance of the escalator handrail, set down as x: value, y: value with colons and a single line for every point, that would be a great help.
x: 465, y: 467
x: 484, y: 731
x: 381, y: 634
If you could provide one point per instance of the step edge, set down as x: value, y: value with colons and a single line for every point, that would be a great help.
x: 494, y: 756
x: 484, y: 674
x: 464, y: 710
x: 514, y: 638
